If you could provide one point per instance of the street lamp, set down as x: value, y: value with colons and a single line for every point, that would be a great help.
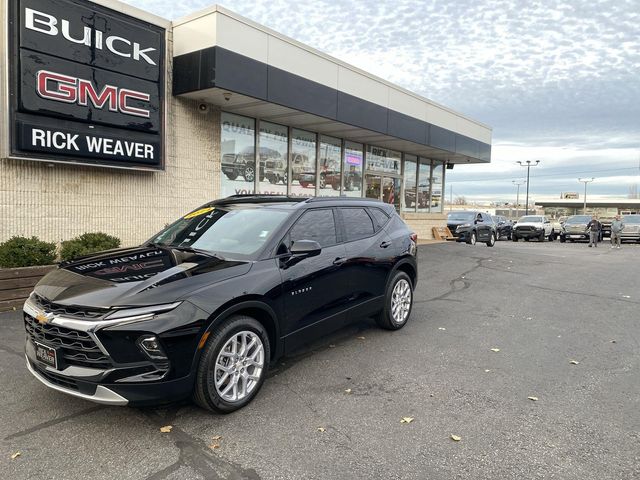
x: 585, y: 181
x: 528, y: 164
x: 517, y: 184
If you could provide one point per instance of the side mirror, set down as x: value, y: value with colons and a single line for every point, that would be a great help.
x: 305, y: 248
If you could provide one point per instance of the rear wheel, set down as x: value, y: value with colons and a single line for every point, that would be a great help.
x: 231, y: 175
x: 492, y: 240
x: 514, y: 237
x: 233, y: 365
x: 249, y: 172
x: 397, y: 303
x: 562, y: 239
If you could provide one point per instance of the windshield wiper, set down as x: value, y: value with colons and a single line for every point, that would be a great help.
x: 199, y: 251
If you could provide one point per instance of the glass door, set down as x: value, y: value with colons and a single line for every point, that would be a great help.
x: 391, y: 191
x: 372, y: 186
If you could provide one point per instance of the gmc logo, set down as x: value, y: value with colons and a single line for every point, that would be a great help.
x: 48, y: 24
x: 67, y: 89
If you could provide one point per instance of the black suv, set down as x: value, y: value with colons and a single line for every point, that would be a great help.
x: 204, y: 306
x: 472, y: 226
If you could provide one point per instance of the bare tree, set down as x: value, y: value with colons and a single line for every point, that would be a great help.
x: 460, y: 200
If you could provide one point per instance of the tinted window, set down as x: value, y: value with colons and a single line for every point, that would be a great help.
x: 379, y: 217
x: 357, y: 223
x: 315, y: 225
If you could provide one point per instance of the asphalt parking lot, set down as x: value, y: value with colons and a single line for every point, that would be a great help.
x: 492, y: 329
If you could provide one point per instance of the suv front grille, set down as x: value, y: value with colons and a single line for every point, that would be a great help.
x: 525, y: 228
x: 79, y: 312
x: 74, y: 347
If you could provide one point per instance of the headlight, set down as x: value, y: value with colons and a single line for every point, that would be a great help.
x: 464, y: 225
x: 142, y: 312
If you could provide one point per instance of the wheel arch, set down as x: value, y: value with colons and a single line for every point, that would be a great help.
x: 406, y: 266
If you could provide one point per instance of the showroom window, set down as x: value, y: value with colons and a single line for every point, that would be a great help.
x: 424, y: 184
x: 303, y: 163
x: 437, y: 179
x: 383, y: 160
x: 273, y: 168
x: 329, y: 166
x: 237, y: 141
x: 383, y: 178
x: 352, y: 170
x: 410, y: 182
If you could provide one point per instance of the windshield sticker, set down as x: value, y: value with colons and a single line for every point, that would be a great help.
x: 197, y: 213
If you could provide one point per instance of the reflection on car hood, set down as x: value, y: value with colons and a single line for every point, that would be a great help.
x: 528, y: 224
x: 134, y: 276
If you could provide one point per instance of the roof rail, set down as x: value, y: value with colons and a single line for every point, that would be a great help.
x: 349, y: 199
x: 248, y: 198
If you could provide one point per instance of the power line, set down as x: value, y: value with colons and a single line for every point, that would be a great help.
x: 568, y: 174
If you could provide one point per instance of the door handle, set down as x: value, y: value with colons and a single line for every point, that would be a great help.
x: 385, y: 244
x: 339, y: 260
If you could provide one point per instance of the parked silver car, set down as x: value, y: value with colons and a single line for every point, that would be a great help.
x: 631, y: 229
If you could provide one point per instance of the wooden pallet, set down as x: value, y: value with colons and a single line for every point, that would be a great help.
x: 442, y: 233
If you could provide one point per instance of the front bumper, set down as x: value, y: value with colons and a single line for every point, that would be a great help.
x: 535, y: 233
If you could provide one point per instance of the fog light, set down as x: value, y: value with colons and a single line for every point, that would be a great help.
x: 151, y: 346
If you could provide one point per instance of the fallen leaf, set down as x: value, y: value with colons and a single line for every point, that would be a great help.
x: 15, y: 455
x: 574, y: 362
x: 14, y: 309
x: 431, y: 394
x: 360, y: 338
x: 348, y: 390
x: 455, y: 438
x: 216, y: 438
x: 214, y: 446
x: 321, y: 429
x: 534, y: 399
x: 166, y: 429
x: 487, y: 371
x: 495, y: 349
x: 406, y: 420
x: 441, y: 328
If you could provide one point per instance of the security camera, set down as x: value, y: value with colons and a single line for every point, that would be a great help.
x: 227, y: 96
x: 203, y: 108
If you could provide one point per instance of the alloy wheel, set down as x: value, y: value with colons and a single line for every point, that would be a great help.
x: 239, y: 366
x: 401, y: 301
x: 249, y: 173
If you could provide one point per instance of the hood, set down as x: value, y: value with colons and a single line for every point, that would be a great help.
x: 135, y: 277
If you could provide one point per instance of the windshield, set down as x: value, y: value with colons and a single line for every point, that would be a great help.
x: 530, y: 219
x: 227, y: 231
x: 580, y: 219
x: 631, y: 219
x: 460, y: 216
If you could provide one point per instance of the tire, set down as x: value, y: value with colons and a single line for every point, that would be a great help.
x: 206, y: 394
x: 335, y: 186
x: 472, y: 238
x: 508, y: 236
x: 492, y: 240
x: 514, y: 237
x: 552, y: 236
x: 562, y: 239
x: 398, y: 289
x: 249, y: 172
x: 322, y: 182
x: 304, y: 184
x: 526, y: 239
x: 232, y: 176
x: 541, y: 237
x: 272, y: 179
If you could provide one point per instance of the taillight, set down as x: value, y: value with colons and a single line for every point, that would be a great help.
x: 414, y: 237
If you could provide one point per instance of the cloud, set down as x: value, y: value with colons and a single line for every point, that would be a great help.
x: 557, y: 80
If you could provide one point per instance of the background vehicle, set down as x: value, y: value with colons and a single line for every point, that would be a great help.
x: 204, y: 306
x: 533, y: 226
x: 631, y: 229
x: 328, y: 168
x: 575, y: 228
x: 243, y: 163
x: 504, y: 226
x: 472, y: 226
x: 352, y: 180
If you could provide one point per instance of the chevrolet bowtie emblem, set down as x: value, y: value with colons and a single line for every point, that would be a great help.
x: 43, y: 317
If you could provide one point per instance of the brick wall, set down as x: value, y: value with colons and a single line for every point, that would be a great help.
x: 423, y: 223
x: 59, y: 201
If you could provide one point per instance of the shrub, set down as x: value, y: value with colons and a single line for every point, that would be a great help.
x: 26, y: 252
x: 87, y: 243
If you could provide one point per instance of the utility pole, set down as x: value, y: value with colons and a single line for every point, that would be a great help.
x: 585, y: 181
x: 528, y: 164
x: 450, y: 197
x: 517, y: 184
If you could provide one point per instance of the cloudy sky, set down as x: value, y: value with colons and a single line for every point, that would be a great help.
x: 558, y: 81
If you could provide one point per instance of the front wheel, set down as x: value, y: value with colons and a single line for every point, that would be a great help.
x: 492, y: 240
x: 472, y: 239
x: 398, y: 301
x: 514, y: 237
x: 562, y: 239
x: 249, y: 173
x: 233, y: 365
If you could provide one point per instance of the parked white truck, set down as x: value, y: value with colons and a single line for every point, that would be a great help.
x: 534, y: 226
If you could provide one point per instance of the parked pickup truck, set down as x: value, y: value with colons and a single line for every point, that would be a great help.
x: 533, y: 226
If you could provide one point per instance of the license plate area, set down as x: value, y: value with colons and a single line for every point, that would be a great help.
x: 46, y: 354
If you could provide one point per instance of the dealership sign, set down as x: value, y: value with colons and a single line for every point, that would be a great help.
x: 87, y: 84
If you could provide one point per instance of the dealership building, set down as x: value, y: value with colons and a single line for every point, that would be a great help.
x: 119, y: 121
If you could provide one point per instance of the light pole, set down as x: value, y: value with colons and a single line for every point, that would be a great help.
x: 585, y: 181
x: 517, y: 184
x: 528, y: 164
